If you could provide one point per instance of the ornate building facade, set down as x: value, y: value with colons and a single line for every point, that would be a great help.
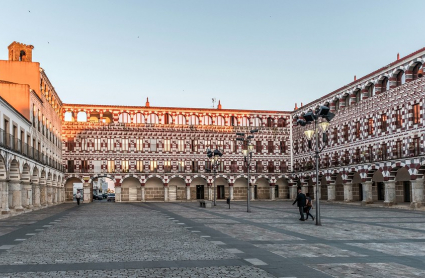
x: 31, y: 173
x: 159, y: 153
x: 376, y: 139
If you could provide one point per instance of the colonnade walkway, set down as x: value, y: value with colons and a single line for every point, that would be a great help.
x: 104, y: 239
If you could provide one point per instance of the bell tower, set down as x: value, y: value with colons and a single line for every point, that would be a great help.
x: 20, y: 52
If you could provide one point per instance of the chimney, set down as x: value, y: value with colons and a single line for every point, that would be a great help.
x: 296, y: 107
x: 219, y: 105
x: 355, y: 78
x: 147, y: 102
x: 398, y: 56
x: 301, y: 104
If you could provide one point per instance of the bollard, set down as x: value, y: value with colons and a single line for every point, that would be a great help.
x: 228, y: 202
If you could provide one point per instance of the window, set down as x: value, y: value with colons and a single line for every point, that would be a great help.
x: 415, y: 146
x: 400, y: 78
x: 234, y: 166
x: 207, y: 120
x: 258, y: 147
x: 398, y: 119
x: 139, y: 166
x: 84, y: 166
x: 416, y: 113
x: 181, y: 166
x: 83, y: 144
x: 153, y: 166
x: 398, y: 149
x: 270, y: 167
x: 193, y: 120
x: 282, y: 147
x: 337, y: 105
x: 97, y: 144
x: 358, y: 95
x: 110, y: 144
x: 70, y: 166
x: 167, y: 145
x: 281, y: 122
x: 168, y: 119
x: 139, y: 144
x: 219, y: 145
x: 385, y: 85
x: 180, y: 145
x: 153, y: 145
x: 194, y: 145
x: 167, y: 166
x: 208, y: 144
x: 245, y: 121
x: 383, y: 151
x: 233, y: 146
x: 233, y: 121
x: 335, y: 135
x: 124, y: 144
x: 180, y: 120
x: 357, y: 129
x: 111, y: 166
x: 259, y: 167
x: 415, y: 71
x: 370, y: 126
x: 124, y: 166
x: 194, y: 166
x: 220, y: 120
x: 347, y: 101
x: 270, y: 147
x: 123, y: 118
x: 346, y: 132
x: 384, y: 122
x: 270, y: 122
x: 256, y: 122
x: 70, y: 144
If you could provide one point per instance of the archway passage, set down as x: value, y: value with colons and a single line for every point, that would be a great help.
x: 102, y: 186
x: 222, y: 188
x: 240, y: 189
x: 282, y: 188
x: 323, y: 188
x: 154, y: 189
x: 403, y: 186
x: 339, y: 188
x: 198, y: 188
x: 176, y: 189
x: 262, y: 189
x: 72, y: 185
x: 131, y: 190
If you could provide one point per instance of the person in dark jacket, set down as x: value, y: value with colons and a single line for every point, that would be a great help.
x: 300, y: 200
x: 309, y: 206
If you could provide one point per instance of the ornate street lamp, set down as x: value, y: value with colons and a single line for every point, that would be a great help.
x: 319, y: 127
x: 215, y: 162
x: 247, y: 153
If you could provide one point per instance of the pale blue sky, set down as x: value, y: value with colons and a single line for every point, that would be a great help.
x: 250, y: 54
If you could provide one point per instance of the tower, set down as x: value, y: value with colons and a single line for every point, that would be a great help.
x: 20, y: 52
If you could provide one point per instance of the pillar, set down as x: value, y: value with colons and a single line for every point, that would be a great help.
x: 27, y: 195
x: 367, y: 192
x: 348, y: 192
x: 331, y: 192
x: 143, y: 193
x: 390, y: 198
x: 231, y: 191
x: 36, y: 194
x: 87, y: 193
x: 272, y: 191
x: 293, y: 192
x: 417, y: 193
x: 4, y: 191
x: 165, y: 192
x: 188, y: 191
x: 210, y: 192
x: 15, y: 194
x: 49, y: 194
x: 251, y: 189
x: 43, y: 194
x: 118, y: 193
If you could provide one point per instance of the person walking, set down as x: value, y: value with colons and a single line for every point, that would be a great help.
x: 300, y: 200
x: 308, y: 206
x: 78, y: 197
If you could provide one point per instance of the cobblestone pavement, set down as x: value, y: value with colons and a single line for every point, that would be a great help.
x: 184, y: 240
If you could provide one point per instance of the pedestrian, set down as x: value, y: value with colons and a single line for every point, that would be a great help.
x: 308, y: 206
x: 78, y: 197
x: 300, y: 200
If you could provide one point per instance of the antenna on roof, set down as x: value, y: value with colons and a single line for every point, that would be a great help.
x: 213, y: 101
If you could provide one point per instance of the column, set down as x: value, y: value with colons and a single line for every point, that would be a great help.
x: 367, y: 192
x: 251, y: 189
x: 231, y: 191
x: 210, y: 192
x: 188, y: 191
x: 118, y: 193
x: 143, y: 193
x: 87, y: 193
x: 331, y: 192
x: 389, y: 193
x: 165, y: 192
x: 27, y: 195
x: 272, y: 193
x: 417, y: 193
x: 4, y: 191
x: 293, y: 192
x: 319, y: 191
x: 16, y: 195
x: 348, y: 192
x: 49, y: 193
x: 42, y: 194
x: 36, y: 194
x: 304, y: 188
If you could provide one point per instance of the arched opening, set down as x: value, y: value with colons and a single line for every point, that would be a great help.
x: 282, y: 187
x: 358, y: 95
x: 14, y: 170
x: 72, y: 185
x: 124, y: 118
x: 400, y: 78
x: 176, y: 189
x: 26, y: 175
x: 378, y: 186
x: 385, y: 84
x: 233, y: 121
x: 102, y: 186
x: 152, y: 119
x: 256, y: 122
x: 415, y: 71
x: 198, y: 188
x: 403, y: 186
x: 244, y: 121
x: 339, y: 188
x: 68, y: 117
x: 107, y: 117
x: 207, y: 120
x: 240, y: 188
x: 220, y: 120
x: 222, y: 188
x: 139, y: 118
x: 262, y: 189
x: 131, y: 190
x: 2, y: 168
x: 180, y: 120
x: 35, y: 175
x: 168, y: 119
x: 22, y: 55
x: 371, y: 90
x: 154, y: 189
x: 81, y: 116
x: 281, y: 122
x: 357, y: 187
x: 323, y: 188
x: 270, y: 122
x: 94, y: 117
x: 193, y: 120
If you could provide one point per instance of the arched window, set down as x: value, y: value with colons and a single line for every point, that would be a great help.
x: 68, y: 116
x: 281, y: 122
x: 358, y: 95
x: 400, y: 78
x: 22, y: 55
x: 207, y: 120
x: 371, y: 90
x: 385, y: 85
x: 415, y: 71
x: 347, y: 101
x: 256, y: 121
x: 124, y: 118
x: 139, y: 118
x: 181, y: 120
x: 337, y: 105
x: 270, y: 122
x: 220, y: 120
x: 193, y: 120
x: 244, y: 121
x: 152, y: 119
x: 168, y: 119
x: 233, y: 121
x: 82, y: 117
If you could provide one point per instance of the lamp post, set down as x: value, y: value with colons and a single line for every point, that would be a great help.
x: 247, y: 153
x: 310, y: 117
x: 214, y: 156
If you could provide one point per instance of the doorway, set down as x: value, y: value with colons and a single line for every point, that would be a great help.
x: 406, y: 191
x: 276, y: 191
x: 381, y: 191
x: 199, y: 192
x: 255, y: 192
x: 360, y: 192
x: 220, y: 192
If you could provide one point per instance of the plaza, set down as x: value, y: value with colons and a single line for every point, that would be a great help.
x: 180, y: 239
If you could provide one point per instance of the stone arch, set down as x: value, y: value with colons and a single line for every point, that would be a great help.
x: 339, y: 188
x: 240, y: 188
x: 35, y: 178
x: 262, y: 188
x: 154, y: 189
x: 82, y: 116
x: 69, y: 188
x: 199, y: 187
x: 26, y: 173
x: 176, y: 188
x: 402, y: 174
x: 221, y: 187
x: 131, y: 190
x: 139, y: 118
x: 282, y: 188
x: 102, y: 176
x: 357, y: 187
x: 124, y: 117
x: 323, y: 187
x: 193, y: 120
x: 152, y: 119
x: 403, y: 185
x: 14, y: 170
x: 3, y: 174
